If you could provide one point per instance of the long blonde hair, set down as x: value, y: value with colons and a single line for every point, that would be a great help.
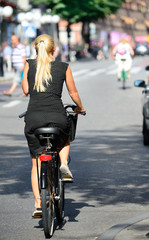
x: 44, y: 46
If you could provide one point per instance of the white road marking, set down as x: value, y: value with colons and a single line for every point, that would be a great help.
x: 11, y: 104
x: 112, y: 72
x: 136, y: 69
x: 80, y: 72
x: 96, y: 72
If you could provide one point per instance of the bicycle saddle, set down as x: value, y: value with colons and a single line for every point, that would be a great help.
x: 55, y: 134
x: 47, y: 130
x: 123, y: 59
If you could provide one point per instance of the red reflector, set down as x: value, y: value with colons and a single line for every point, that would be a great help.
x: 45, y: 158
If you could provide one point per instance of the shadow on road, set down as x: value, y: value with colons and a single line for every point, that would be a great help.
x: 109, y: 167
x: 126, y: 88
x: 72, y: 210
x: 15, y: 165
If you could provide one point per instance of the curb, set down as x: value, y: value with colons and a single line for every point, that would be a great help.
x: 113, y: 231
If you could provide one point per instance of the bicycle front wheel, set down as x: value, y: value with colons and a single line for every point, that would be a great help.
x: 123, y: 74
x: 124, y: 77
x: 47, y: 212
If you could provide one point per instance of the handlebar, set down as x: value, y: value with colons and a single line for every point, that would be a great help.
x: 72, y: 106
x: 22, y: 115
x: 66, y: 107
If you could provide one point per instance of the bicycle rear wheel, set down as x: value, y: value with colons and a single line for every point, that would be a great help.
x: 47, y: 211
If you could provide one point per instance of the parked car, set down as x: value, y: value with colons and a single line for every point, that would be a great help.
x: 145, y: 109
x: 141, y: 48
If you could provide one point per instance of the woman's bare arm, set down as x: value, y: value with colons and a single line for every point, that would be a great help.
x: 25, y: 81
x: 73, y: 91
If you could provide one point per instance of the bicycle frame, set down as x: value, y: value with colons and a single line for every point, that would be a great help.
x: 46, y: 165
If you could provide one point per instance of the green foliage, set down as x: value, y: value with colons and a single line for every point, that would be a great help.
x: 81, y: 10
x: 36, y: 2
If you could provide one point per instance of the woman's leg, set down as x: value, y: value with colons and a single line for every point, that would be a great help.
x: 11, y: 90
x: 64, y: 154
x: 128, y: 74
x: 119, y: 69
x: 34, y: 181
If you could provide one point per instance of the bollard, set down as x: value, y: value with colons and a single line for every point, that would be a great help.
x: 1, y: 67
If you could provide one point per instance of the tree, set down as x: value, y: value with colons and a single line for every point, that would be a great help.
x: 84, y: 11
x: 81, y: 10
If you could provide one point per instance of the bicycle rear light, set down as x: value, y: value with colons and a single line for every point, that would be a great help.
x: 45, y: 158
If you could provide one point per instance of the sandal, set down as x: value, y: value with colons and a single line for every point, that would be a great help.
x: 7, y: 94
x: 66, y: 175
x: 37, y: 213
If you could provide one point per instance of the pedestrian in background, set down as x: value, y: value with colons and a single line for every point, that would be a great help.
x: 7, y: 51
x: 27, y: 48
x: 33, y: 51
x: 57, y: 52
x: 18, y: 59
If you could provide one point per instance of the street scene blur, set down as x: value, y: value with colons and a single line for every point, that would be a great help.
x: 106, y: 44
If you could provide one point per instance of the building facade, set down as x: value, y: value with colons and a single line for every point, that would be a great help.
x: 132, y: 19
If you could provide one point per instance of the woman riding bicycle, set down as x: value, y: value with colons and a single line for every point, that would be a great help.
x: 123, y: 51
x: 43, y: 80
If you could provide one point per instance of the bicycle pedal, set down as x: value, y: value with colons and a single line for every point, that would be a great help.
x: 34, y: 217
x: 67, y: 180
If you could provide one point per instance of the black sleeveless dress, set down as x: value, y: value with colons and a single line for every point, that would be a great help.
x: 45, y: 108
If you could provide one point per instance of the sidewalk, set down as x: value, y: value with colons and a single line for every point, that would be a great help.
x: 7, y: 77
x: 136, y: 231
x: 136, y: 228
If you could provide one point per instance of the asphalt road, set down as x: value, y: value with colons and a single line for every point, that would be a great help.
x: 109, y: 162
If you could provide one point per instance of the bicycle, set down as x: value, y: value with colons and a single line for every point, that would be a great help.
x: 51, y: 185
x: 123, y: 73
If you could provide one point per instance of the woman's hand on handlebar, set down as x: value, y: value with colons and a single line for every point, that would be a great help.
x: 79, y: 110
